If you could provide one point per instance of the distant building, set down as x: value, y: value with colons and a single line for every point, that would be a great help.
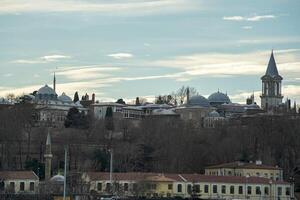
x: 188, y: 185
x: 18, y: 182
x: 250, y: 169
x: 271, y: 96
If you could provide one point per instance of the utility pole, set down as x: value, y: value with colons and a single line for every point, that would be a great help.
x: 111, y: 169
x: 65, y: 173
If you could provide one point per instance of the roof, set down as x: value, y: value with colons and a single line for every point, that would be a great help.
x: 243, y: 165
x: 13, y: 175
x: 46, y: 90
x: 219, y: 97
x: 198, y: 100
x: 165, y: 177
x: 64, y: 98
x: 272, y: 68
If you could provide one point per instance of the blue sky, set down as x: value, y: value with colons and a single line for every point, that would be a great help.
x: 128, y: 48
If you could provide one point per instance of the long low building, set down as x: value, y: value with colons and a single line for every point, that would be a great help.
x: 18, y: 182
x: 188, y: 185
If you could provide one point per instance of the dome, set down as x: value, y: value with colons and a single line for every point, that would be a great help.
x: 198, y: 101
x: 214, y: 114
x: 218, y: 97
x: 57, y: 178
x: 64, y: 98
x: 46, y: 90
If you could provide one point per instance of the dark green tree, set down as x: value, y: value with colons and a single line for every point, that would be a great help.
x: 109, y: 123
x: 76, y: 119
x: 76, y: 97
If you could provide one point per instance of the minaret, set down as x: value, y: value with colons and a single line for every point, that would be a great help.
x: 48, y: 158
x: 271, y: 95
x: 54, y: 83
x: 188, y: 96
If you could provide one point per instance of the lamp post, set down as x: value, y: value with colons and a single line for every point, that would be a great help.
x: 246, y: 189
x: 270, y: 183
x: 65, y: 173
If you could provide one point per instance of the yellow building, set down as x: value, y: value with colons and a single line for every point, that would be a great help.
x: 239, y: 168
x: 188, y: 185
x: 18, y: 182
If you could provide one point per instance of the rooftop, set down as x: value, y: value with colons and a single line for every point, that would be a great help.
x: 13, y: 175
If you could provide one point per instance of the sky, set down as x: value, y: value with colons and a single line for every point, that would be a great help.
x: 129, y: 48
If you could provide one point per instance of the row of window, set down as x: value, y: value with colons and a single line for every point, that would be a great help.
x: 240, y: 189
x: 229, y: 173
x: 12, y: 186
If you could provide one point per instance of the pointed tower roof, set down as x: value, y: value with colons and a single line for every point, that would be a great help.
x: 272, y: 68
x: 48, y: 141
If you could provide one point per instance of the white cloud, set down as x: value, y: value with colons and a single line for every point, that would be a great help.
x: 262, y: 17
x: 120, y: 55
x: 226, y: 65
x: 247, y: 27
x: 234, y: 18
x: 252, y: 18
x: 41, y: 60
x: 86, y: 72
x: 102, y: 7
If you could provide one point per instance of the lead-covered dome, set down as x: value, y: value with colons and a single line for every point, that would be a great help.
x: 65, y: 98
x: 46, y: 90
x: 214, y: 114
x: 198, y: 100
x: 57, y: 178
x: 218, y: 98
x: 46, y: 93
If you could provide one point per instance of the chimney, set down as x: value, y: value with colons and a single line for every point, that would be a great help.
x: 258, y: 162
x: 93, y: 97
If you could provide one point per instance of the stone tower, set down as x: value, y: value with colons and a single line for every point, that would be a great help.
x: 271, y: 95
x: 48, y: 158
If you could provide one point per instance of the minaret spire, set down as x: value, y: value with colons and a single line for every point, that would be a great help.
x: 48, y: 157
x: 54, y: 82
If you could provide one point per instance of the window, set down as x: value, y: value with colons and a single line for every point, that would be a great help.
x: 1, y: 185
x: 12, y: 186
x: 189, y: 188
x: 197, y: 188
x: 134, y: 187
x: 108, y: 186
x: 99, y: 186
x: 279, y: 191
x: 223, y: 189
x: 240, y: 189
x: 266, y: 190
x: 249, y: 190
x: 22, y: 186
x: 31, y: 186
x: 215, y: 189
x: 287, y: 191
x: 179, y: 188
x: 257, y: 190
x: 126, y: 187
x: 232, y: 189
x: 170, y: 186
x: 205, y: 188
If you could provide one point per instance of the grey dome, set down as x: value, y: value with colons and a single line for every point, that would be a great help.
x: 198, y: 101
x: 58, y: 178
x: 46, y: 90
x: 214, y: 114
x: 219, y: 97
x: 64, y: 98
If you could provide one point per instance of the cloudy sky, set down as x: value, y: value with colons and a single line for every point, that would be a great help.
x: 128, y: 48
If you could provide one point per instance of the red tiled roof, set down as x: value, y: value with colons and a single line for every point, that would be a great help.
x: 243, y: 165
x: 10, y: 175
